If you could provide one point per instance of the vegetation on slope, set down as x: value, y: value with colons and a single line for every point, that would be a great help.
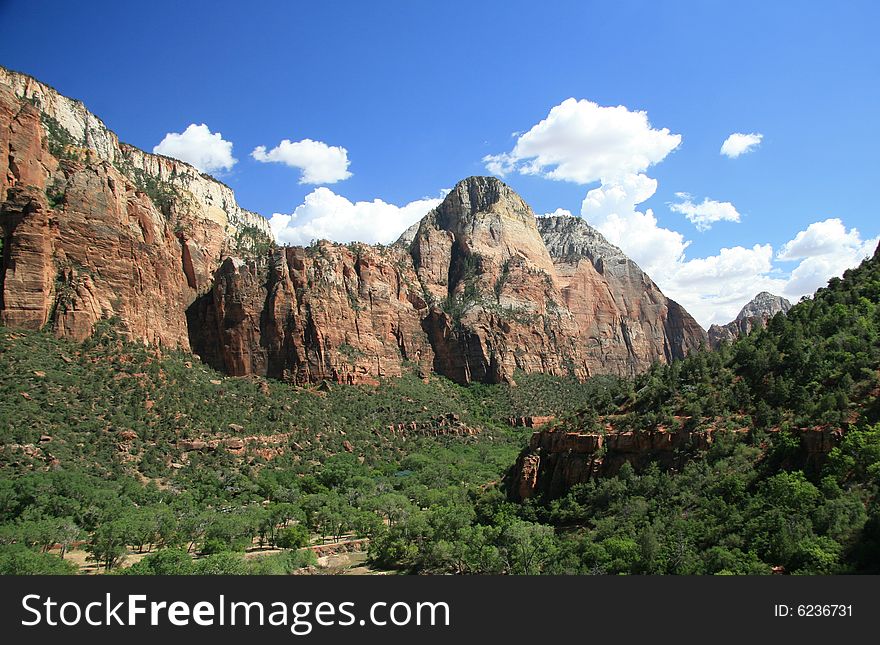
x: 113, y: 445
x: 746, y: 507
x: 125, y: 448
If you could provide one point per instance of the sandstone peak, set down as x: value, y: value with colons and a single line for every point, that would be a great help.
x: 474, y: 196
x: 756, y: 313
x: 482, y: 224
x: 764, y: 304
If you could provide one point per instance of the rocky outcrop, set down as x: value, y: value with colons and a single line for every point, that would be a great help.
x: 445, y: 425
x: 624, y: 321
x: 94, y: 229
x: 559, y: 458
x: 347, y: 314
x: 755, y: 314
x: 530, y: 422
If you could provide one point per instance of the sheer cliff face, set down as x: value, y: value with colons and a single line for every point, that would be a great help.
x: 94, y: 229
x: 496, y: 305
x: 474, y: 292
x: 343, y: 313
x: 624, y: 320
x: 756, y: 313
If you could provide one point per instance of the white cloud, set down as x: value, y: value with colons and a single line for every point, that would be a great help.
x: 612, y: 210
x: 714, y: 288
x: 820, y: 238
x: 706, y: 213
x: 825, y: 249
x: 559, y: 212
x: 583, y: 142
x: 320, y: 163
x: 198, y: 146
x: 326, y: 215
x: 739, y: 144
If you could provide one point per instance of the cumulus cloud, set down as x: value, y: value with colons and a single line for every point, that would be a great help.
x: 559, y: 212
x: 612, y: 210
x: 319, y: 163
x: 824, y: 249
x: 326, y: 215
x: 820, y: 238
x: 583, y: 142
x: 706, y: 213
x: 714, y: 288
x: 739, y: 144
x: 198, y: 146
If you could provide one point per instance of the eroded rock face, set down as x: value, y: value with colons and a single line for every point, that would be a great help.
x: 479, y: 288
x: 755, y: 314
x: 559, y: 458
x: 93, y: 229
x: 495, y: 302
x: 624, y: 321
x: 347, y: 314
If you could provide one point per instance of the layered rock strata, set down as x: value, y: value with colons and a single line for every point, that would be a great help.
x: 95, y: 229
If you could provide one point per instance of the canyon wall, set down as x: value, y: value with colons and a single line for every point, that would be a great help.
x: 95, y: 229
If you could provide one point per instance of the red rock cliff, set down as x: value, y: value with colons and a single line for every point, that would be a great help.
x: 343, y: 313
x: 559, y: 458
x: 94, y: 229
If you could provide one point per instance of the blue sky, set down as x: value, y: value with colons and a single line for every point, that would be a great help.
x: 419, y: 94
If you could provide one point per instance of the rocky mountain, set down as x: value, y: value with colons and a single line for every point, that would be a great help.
x: 756, y: 313
x: 93, y: 228
x: 480, y: 287
x: 623, y: 317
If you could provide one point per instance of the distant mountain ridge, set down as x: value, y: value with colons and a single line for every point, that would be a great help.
x: 756, y: 313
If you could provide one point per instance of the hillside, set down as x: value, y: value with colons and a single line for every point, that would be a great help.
x: 129, y: 449
x: 768, y: 448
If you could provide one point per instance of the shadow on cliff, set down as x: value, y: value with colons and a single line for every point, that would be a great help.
x: 201, y: 326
